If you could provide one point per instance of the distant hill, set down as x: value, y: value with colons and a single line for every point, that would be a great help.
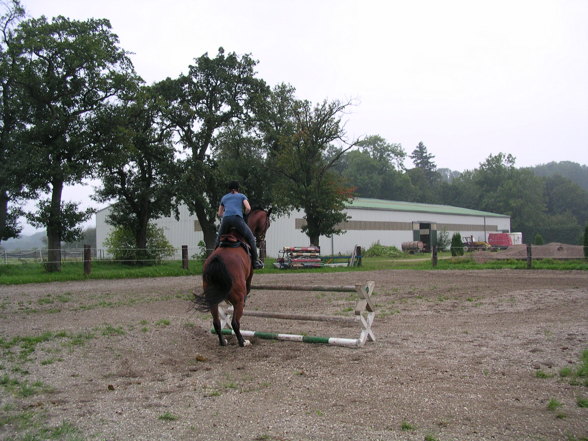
x: 573, y: 171
x: 36, y: 240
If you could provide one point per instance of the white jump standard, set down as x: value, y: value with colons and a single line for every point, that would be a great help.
x: 364, y: 314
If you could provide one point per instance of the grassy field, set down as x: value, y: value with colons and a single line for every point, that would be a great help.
x: 35, y: 273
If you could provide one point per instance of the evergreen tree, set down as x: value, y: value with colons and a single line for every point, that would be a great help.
x: 456, y: 245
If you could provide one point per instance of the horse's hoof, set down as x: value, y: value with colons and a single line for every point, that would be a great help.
x: 224, y: 342
x: 246, y: 343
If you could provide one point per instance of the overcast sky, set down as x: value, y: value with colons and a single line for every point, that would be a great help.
x: 468, y: 78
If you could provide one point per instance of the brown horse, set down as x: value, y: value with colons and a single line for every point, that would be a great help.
x: 258, y: 221
x: 226, y: 276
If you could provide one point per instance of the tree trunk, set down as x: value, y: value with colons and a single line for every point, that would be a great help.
x: 141, y: 254
x: 3, y: 213
x: 208, y: 228
x: 54, y: 230
x: 314, y: 240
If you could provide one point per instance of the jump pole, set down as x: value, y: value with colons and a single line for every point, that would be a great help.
x: 350, y: 342
x: 364, y: 314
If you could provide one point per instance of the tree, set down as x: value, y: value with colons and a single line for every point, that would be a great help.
x: 215, y: 94
x: 501, y: 188
x: 424, y: 176
x: 573, y: 171
x: 137, y: 164
x: 68, y: 70
x: 12, y: 164
x: 120, y: 244
x: 375, y: 169
x: 562, y: 195
x: 305, y: 160
x: 456, y: 245
x: 422, y: 159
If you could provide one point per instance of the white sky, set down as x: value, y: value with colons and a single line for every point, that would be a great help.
x: 468, y: 78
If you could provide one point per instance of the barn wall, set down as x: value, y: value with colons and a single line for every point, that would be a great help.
x: 366, y: 227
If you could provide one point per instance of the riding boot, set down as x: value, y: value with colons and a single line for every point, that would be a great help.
x: 257, y: 264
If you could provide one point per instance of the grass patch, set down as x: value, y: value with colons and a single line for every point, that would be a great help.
x: 22, y: 389
x: 553, y: 404
x: 30, y: 426
x: 405, y: 426
x: 35, y: 272
x: 577, y: 375
x: 21, y: 348
x: 543, y: 374
x: 167, y: 416
x: 110, y: 331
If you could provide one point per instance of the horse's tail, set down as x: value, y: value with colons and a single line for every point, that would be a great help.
x: 218, y: 283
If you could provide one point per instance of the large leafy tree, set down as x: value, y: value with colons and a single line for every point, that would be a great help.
x: 305, y: 160
x: 137, y: 164
x: 68, y: 70
x: 12, y: 162
x: 498, y: 186
x: 562, y: 195
x: 214, y: 96
x: 375, y: 169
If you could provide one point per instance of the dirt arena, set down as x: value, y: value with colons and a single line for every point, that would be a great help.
x: 457, y: 357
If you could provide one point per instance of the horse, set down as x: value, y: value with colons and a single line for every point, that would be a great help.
x: 258, y: 221
x: 226, y: 276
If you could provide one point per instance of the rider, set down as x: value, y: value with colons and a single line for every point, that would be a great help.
x: 231, y: 211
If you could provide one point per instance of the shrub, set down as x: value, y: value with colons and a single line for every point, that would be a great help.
x: 538, y: 240
x: 443, y: 241
x: 456, y: 245
x: 377, y: 250
x: 121, y: 244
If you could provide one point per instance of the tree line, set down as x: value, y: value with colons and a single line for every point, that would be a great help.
x: 72, y: 107
x: 546, y: 200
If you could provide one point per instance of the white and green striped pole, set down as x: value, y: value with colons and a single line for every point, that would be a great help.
x: 349, y: 342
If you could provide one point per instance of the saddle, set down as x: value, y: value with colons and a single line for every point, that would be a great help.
x: 233, y: 240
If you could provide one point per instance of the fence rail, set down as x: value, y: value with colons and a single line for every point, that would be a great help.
x: 41, y: 255
x: 183, y: 254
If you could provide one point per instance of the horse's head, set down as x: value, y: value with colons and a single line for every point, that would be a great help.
x: 259, y: 222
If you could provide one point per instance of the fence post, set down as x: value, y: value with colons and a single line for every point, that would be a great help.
x: 87, y: 260
x: 185, y: 257
x: 529, y: 257
x: 434, y: 258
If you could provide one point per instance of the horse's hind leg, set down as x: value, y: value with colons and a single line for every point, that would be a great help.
x: 236, y: 324
x: 217, y: 325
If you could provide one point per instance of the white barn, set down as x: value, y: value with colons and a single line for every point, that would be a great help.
x: 371, y: 221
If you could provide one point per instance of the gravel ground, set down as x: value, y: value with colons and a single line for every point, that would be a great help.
x: 456, y: 358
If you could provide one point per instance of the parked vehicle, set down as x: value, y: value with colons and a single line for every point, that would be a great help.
x: 501, y: 241
x: 415, y: 246
x: 469, y: 244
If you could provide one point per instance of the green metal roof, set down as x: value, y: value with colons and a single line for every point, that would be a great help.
x: 381, y: 204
